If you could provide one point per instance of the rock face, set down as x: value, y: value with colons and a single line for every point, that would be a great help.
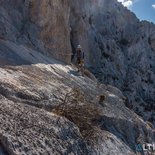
x: 120, y: 50
x: 43, y: 25
x: 46, y: 107
x: 27, y: 130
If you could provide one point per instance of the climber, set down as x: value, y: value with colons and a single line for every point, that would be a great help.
x: 80, y: 59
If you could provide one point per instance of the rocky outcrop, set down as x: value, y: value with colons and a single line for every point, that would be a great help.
x: 119, y: 49
x: 28, y: 130
x: 50, y: 109
x: 46, y: 107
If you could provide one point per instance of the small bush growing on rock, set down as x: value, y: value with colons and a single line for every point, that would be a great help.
x: 81, y: 112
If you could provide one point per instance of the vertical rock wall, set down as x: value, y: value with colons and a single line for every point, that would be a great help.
x: 41, y: 24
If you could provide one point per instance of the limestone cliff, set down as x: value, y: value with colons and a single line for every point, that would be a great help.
x: 120, y: 50
x: 46, y: 107
x: 41, y: 24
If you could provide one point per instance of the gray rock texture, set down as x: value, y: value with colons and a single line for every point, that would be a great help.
x: 41, y: 24
x: 119, y: 49
x: 46, y: 107
x: 27, y: 130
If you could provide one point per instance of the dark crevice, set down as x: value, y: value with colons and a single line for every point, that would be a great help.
x: 3, y: 150
x: 72, y: 46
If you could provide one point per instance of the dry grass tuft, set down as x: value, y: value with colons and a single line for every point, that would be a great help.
x: 80, y: 111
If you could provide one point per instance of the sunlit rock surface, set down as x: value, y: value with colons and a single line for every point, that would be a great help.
x: 30, y: 122
x: 46, y: 107
x: 119, y: 49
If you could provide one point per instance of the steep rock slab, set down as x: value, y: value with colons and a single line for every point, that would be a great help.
x: 126, y: 57
x: 28, y: 130
x: 46, y: 87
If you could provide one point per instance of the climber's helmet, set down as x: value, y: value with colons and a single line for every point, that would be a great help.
x: 79, y: 47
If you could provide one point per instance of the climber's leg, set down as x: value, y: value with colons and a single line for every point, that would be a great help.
x: 82, y: 67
